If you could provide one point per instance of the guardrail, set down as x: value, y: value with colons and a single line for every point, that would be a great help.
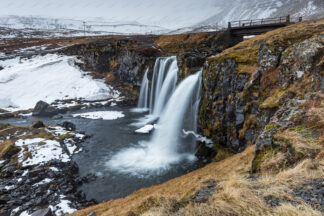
x: 260, y: 22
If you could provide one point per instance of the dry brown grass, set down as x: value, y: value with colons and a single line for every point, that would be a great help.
x: 183, y: 42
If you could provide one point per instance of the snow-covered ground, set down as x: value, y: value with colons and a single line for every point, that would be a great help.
x: 23, y: 82
x: 105, y: 115
x: 102, y: 17
x: 41, y: 150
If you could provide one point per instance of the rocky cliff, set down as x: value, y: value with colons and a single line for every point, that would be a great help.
x: 256, y: 87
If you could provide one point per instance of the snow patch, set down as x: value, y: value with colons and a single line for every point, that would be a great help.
x: 105, y: 115
x: 24, y: 213
x: 54, y: 169
x: 48, y: 78
x: 44, y: 181
x: 63, y: 207
x: 9, y: 187
x: 146, y: 129
x: 41, y: 151
x: 300, y: 74
x: 208, y: 142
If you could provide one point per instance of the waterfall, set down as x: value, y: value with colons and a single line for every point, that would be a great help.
x: 166, y: 138
x: 143, y: 97
x: 167, y: 88
x: 168, y: 145
x: 163, y: 83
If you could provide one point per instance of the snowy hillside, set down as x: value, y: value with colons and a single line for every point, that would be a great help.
x: 258, y: 9
x: 98, y: 17
x: 51, y: 77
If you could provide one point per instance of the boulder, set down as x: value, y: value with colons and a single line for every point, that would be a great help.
x: 44, y: 109
x: 68, y: 126
x: 38, y: 124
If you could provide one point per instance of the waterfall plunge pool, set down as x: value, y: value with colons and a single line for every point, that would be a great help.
x: 124, y: 161
x: 108, y: 138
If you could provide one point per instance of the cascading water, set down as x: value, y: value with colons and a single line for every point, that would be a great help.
x: 167, y: 145
x: 143, y: 98
x: 163, y: 83
x: 168, y: 87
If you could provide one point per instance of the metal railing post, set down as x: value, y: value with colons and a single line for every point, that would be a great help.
x: 288, y: 19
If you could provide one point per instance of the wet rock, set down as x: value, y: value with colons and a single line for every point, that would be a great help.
x: 92, y: 214
x: 203, y: 194
x: 268, y: 57
x: 8, y: 170
x: 3, y: 163
x: 298, y: 60
x: 4, y: 200
x: 6, y: 115
x: 44, y: 109
x: 239, y: 118
x: 38, y: 124
x: 43, y: 212
x: 312, y: 192
x: 68, y: 126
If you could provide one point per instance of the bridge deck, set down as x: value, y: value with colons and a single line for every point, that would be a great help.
x: 259, y: 26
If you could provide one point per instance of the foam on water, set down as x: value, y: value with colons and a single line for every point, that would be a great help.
x: 165, y: 148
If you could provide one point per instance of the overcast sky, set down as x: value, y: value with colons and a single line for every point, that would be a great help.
x: 166, y: 13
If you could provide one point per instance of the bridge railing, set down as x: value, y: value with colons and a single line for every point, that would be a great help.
x: 257, y: 22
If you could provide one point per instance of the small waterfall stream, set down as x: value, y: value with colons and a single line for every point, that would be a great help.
x: 166, y: 83
x: 177, y: 108
x: 143, y: 97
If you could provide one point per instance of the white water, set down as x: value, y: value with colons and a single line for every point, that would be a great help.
x: 163, y: 84
x: 167, y: 146
x: 162, y: 80
x: 143, y: 97
x: 168, y: 87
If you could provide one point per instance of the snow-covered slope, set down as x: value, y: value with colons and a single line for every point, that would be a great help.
x: 24, y: 82
x: 72, y: 17
x: 257, y: 9
x: 52, y: 27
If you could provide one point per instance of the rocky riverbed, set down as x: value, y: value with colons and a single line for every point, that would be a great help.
x: 37, y: 171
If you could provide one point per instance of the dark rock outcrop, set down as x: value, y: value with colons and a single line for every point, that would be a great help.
x: 68, y: 126
x: 38, y: 124
x: 44, y: 109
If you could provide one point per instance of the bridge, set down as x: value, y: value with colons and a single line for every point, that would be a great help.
x: 259, y: 26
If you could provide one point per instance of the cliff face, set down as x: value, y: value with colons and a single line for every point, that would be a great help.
x: 123, y: 60
x: 253, y: 86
